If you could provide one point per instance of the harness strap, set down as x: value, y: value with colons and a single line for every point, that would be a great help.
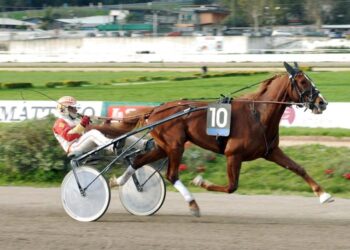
x: 256, y: 116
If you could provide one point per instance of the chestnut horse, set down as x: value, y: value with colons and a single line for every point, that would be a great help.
x: 254, y: 132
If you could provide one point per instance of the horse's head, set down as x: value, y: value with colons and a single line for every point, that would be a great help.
x: 303, y: 90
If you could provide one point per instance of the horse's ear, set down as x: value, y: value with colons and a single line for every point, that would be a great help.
x: 296, y: 66
x: 289, y: 69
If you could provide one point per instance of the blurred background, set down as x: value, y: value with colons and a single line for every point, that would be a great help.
x: 172, y: 30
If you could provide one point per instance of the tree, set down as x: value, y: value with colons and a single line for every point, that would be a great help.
x: 237, y: 17
x: 246, y: 13
x: 47, y: 20
x: 254, y: 11
x: 318, y: 11
x: 340, y: 13
x: 315, y: 12
x: 288, y: 11
x: 134, y: 17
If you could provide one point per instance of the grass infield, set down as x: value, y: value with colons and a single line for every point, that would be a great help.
x: 130, y: 86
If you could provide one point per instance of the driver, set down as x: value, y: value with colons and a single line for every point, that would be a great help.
x: 69, y: 130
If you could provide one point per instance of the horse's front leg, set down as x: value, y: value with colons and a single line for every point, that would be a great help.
x: 233, y: 170
x: 283, y: 160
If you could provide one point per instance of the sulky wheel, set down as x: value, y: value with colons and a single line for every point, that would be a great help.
x: 94, y: 203
x: 149, y: 197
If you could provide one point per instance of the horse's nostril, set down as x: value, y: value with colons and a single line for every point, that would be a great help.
x: 322, y: 102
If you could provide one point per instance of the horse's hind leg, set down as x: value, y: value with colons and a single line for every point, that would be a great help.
x: 233, y: 170
x: 139, y: 161
x: 156, y: 154
x: 175, y: 155
x: 283, y: 160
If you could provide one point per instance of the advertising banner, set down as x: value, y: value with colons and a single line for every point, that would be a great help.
x: 335, y: 116
x: 15, y: 111
x: 122, y: 109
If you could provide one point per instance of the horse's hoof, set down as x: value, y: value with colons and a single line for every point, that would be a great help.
x: 194, y: 209
x: 326, y: 198
x: 198, y: 181
x: 113, y: 182
x: 195, y: 212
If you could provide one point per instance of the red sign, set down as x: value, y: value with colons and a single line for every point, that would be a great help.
x: 121, y: 111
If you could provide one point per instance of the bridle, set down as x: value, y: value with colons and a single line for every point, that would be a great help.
x: 306, y: 96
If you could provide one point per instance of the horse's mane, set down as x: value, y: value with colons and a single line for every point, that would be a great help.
x: 262, y: 89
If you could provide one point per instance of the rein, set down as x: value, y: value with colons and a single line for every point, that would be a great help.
x: 269, y: 102
x: 80, y: 115
x: 211, y: 98
x: 247, y: 100
x: 197, y: 99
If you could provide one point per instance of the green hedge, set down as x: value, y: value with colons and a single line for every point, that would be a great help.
x: 306, y: 68
x: 74, y: 83
x: 186, y: 78
x: 142, y: 79
x: 158, y: 78
x: 53, y: 84
x: 30, y: 152
x: 18, y: 85
x: 67, y: 83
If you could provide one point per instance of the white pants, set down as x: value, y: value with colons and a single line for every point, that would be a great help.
x: 89, y: 141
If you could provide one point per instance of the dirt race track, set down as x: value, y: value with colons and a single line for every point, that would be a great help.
x: 32, y: 218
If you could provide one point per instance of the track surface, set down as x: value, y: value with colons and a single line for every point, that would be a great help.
x: 32, y: 218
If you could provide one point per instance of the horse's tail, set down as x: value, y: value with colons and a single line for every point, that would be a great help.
x: 138, y: 117
x: 133, y: 120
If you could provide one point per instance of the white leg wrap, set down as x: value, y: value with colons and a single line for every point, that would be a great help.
x: 184, y: 191
x: 121, y: 180
x: 326, y: 198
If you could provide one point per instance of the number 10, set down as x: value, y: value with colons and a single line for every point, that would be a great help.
x: 218, y: 117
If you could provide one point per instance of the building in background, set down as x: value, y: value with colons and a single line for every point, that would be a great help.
x: 13, y: 24
x: 205, y: 20
x: 85, y: 23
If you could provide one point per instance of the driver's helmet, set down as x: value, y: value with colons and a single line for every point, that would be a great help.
x: 63, y: 103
